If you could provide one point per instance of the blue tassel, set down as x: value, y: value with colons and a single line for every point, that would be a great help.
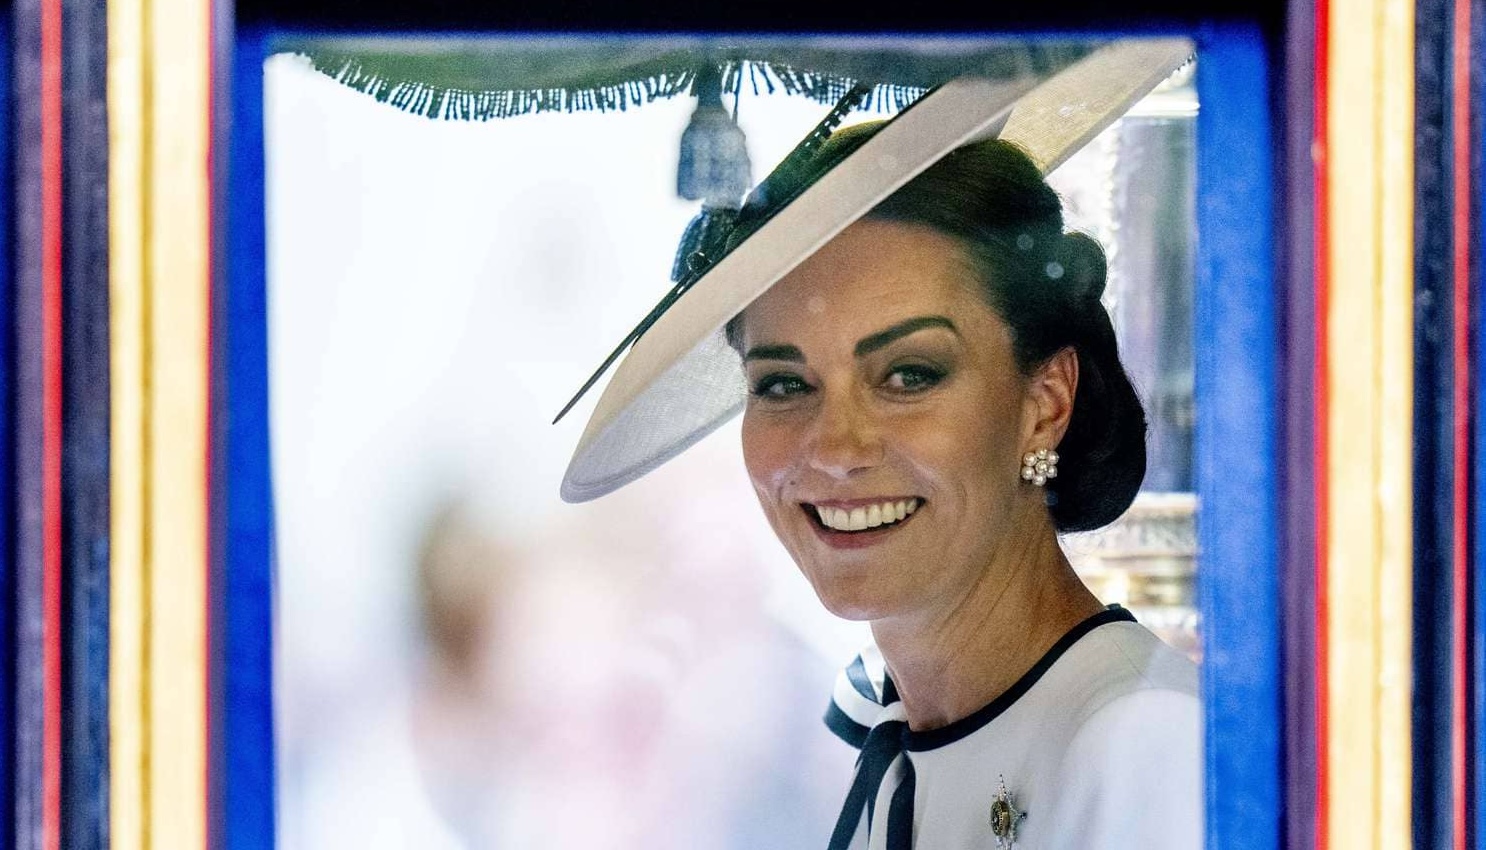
x: 714, y: 166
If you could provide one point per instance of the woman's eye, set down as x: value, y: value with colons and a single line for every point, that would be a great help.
x: 914, y: 377
x: 780, y: 386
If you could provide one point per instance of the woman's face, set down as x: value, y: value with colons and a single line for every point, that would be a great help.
x: 881, y: 383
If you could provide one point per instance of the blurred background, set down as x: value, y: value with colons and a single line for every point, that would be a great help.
x: 464, y: 660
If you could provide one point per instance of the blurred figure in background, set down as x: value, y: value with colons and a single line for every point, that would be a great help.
x: 599, y: 693
x: 456, y: 711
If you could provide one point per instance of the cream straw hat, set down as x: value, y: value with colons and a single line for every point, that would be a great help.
x: 681, y: 380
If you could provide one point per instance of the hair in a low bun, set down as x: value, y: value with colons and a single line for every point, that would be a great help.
x: 1105, y: 440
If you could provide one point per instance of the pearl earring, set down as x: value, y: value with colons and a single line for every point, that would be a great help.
x: 1039, y: 466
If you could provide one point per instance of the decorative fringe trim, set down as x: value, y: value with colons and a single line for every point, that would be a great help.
x: 456, y: 104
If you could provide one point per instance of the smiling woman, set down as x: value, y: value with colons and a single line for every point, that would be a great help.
x: 936, y: 356
x: 933, y: 394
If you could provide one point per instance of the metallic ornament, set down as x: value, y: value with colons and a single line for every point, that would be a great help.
x: 1005, y: 817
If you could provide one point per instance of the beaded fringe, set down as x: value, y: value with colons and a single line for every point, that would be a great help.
x: 455, y: 104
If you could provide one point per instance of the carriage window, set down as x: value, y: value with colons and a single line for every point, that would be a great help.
x: 459, y: 232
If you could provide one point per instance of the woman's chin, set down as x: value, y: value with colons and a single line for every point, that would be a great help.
x: 852, y: 585
x: 854, y: 601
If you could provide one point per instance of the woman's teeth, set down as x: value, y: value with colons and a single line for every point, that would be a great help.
x: 868, y: 516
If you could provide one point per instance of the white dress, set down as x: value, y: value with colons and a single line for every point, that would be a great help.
x: 1097, y: 746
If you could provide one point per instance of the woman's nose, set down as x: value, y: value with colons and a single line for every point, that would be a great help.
x: 847, y: 439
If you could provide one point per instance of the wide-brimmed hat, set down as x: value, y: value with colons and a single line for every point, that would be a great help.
x: 681, y: 379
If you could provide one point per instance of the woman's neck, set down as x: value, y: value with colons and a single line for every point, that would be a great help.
x: 948, y: 663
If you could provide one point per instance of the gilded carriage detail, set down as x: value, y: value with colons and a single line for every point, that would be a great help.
x: 1307, y: 531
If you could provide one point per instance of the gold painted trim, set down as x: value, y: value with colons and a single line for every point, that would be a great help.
x: 176, y: 250
x: 159, y: 78
x: 127, y: 577
x: 1369, y: 422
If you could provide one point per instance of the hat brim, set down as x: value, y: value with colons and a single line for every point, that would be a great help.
x: 681, y: 380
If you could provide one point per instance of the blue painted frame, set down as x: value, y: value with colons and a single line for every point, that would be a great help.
x: 8, y: 621
x: 86, y: 431
x: 1239, y: 451
x: 1434, y: 451
x: 1239, y: 455
x: 26, y: 399
x: 241, y: 762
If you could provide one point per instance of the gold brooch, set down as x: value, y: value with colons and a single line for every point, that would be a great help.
x: 1005, y: 817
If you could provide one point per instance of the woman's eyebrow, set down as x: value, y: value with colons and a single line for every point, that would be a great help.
x: 865, y: 346
x: 869, y: 344
x: 775, y: 352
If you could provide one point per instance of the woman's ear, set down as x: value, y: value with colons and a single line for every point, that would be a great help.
x: 1050, y: 393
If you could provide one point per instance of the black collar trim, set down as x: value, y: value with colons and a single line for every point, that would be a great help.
x: 935, y: 738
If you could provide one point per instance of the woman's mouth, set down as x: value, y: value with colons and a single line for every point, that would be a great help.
x: 859, y: 522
